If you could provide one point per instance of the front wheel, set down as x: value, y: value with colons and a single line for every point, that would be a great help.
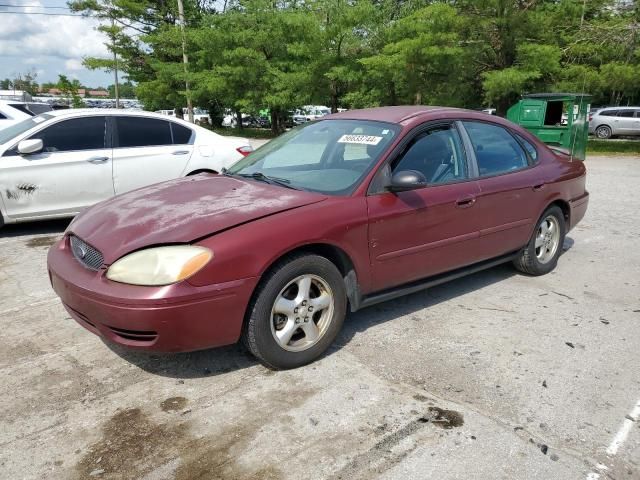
x: 541, y: 254
x: 296, y: 312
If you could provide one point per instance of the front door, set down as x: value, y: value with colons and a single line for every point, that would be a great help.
x: 144, y: 152
x: 72, y: 172
x: 423, y: 232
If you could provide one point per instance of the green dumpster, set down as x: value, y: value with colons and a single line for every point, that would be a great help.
x: 558, y: 119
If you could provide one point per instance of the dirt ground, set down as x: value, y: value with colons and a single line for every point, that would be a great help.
x: 494, y: 376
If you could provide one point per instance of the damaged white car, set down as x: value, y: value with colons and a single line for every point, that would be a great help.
x: 55, y: 164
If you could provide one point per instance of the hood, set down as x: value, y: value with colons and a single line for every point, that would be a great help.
x: 181, y: 211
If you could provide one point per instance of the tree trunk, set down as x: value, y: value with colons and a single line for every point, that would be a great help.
x: 239, y: 119
x: 334, y: 97
x: 274, y: 120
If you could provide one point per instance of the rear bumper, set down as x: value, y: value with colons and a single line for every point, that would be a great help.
x: 173, y: 318
x: 578, y: 209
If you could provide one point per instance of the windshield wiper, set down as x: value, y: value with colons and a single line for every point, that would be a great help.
x: 283, y: 182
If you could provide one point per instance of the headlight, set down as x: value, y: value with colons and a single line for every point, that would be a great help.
x: 160, y: 265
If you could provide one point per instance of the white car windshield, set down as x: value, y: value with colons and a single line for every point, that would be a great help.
x: 12, y: 131
x: 328, y: 156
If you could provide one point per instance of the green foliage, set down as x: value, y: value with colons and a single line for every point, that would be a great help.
x: 613, y: 146
x: 69, y: 89
x: 280, y: 54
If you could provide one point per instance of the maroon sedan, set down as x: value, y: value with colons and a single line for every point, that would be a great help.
x: 338, y: 214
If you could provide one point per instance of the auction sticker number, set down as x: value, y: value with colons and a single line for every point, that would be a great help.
x: 360, y: 139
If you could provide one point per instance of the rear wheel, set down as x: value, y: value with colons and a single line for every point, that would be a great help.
x: 296, y: 312
x: 540, y: 256
x: 603, y: 132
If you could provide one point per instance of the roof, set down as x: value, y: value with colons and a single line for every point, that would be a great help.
x: 556, y: 95
x: 396, y: 114
x: 103, y: 111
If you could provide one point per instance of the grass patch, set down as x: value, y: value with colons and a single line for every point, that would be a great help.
x: 613, y: 146
x: 244, y: 132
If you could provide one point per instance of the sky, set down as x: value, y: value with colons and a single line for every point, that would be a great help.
x: 49, y: 45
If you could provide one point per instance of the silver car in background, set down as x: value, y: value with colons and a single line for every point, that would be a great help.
x: 612, y: 121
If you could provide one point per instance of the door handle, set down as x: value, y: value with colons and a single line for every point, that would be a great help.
x: 97, y: 159
x: 466, y: 202
x: 537, y: 188
x: 180, y: 152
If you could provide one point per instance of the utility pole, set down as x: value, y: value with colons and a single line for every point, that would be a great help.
x: 185, y: 61
x: 115, y: 62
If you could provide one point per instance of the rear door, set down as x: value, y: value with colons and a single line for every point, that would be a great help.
x: 144, y: 151
x: 626, y: 121
x: 71, y: 173
x: 423, y: 232
x: 511, y: 188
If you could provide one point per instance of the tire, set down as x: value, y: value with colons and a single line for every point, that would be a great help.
x: 603, y: 132
x: 286, y: 327
x: 541, y: 254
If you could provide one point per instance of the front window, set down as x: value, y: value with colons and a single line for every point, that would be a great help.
x: 329, y: 156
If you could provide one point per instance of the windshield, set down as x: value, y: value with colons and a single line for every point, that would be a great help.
x: 328, y: 156
x: 8, y: 133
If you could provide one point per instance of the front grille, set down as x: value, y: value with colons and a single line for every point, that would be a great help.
x: 85, y: 253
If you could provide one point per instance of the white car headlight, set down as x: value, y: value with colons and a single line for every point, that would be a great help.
x: 159, y: 265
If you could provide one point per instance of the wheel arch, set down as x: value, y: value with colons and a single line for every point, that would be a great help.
x: 564, y: 206
x: 201, y: 170
x: 336, y: 255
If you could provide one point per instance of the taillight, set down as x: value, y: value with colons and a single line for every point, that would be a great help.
x: 244, y: 151
x: 590, y: 117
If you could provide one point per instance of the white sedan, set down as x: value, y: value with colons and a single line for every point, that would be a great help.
x: 55, y: 164
x: 12, y: 112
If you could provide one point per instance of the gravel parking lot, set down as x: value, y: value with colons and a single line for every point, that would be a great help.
x: 494, y: 376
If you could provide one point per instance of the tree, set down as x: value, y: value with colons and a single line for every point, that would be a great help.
x: 26, y: 82
x: 423, y: 60
x: 126, y: 89
x: 69, y: 89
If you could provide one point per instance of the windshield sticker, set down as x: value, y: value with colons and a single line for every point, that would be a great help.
x: 360, y: 139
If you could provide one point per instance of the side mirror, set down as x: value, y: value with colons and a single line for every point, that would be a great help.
x: 405, y: 180
x: 26, y: 147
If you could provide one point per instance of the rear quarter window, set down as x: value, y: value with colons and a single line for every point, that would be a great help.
x: 181, y: 134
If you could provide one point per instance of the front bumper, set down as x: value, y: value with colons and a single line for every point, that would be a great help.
x: 173, y: 318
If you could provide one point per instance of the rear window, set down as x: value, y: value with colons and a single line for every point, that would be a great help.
x: 22, y: 107
x: 497, y: 151
x: 608, y: 113
x: 142, y: 132
x: 38, y: 108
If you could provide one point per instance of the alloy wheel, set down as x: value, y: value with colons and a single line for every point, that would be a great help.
x: 547, y: 239
x: 302, y: 313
